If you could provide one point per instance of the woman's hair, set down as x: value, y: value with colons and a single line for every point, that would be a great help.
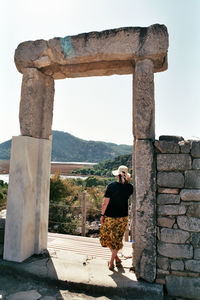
x: 122, y: 178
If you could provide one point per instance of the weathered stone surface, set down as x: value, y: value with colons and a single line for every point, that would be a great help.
x: 163, y: 263
x: 185, y: 146
x: 168, y: 191
x: 192, y: 265
x: 171, y: 138
x: 197, y: 253
x: 167, y: 147
x: 175, y: 251
x: 185, y: 273
x: 171, y: 210
x: 189, y: 223
x: 170, y: 179
x: 195, y: 239
x: 166, y: 222
x: 192, y: 179
x: 173, y: 162
x: 162, y: 272
x: 190, y: 195
x: 196, y: 164
x: 195, y: 151
x: 194, y: 210
x: 96, y: 53
x: 30, y: 295
x: 143, y: 100
x: 36, y: 106
x: 145, y: 232
x: 174, y: 236
x: 168, y: 199
x: 185, y: 287
x: 2, y: 223
x: 28, y: 198
x: 177, y: 265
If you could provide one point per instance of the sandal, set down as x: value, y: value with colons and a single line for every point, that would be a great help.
x: 118, y: 263
x: 110, y: 267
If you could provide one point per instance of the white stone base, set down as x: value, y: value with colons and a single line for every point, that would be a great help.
x: 28, y: 198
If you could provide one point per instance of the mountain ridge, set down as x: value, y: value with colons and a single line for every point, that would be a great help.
x: 68, y: 148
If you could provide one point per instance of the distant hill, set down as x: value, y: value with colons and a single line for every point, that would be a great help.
x: 66, y: 147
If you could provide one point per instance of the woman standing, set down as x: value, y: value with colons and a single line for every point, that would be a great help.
x: 114, y: 217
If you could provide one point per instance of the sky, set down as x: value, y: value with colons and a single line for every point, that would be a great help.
x: 92, y: 108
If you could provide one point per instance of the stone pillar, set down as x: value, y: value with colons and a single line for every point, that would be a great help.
x: 28, y: 193
x: 145, y: 176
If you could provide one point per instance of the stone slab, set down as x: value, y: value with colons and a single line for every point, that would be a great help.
x: 167, y: 147
x: 193, y: 210
x: 189, y: 223
x: 173, y: 162
x: 36, y: 106
x: 170, y: 179
x: 174, y: 236
x: 143, y: 100
x: 185, y: 146
x: 163, y: 263
x: 30, y: 295
x: 145, y: 232
x: 28, y: 198
x: 192, y: 265
x: 171, y: 138
x: 185, y: 287
x: 175, y: 251
x: 168, y: 199
x: 195, y: 239
x: 196, y: 164
x: 197, y: 253
x: 108, y: 52
x: 166, y: 222
x: 190, y: 195
x: 177, y: 265
x: 168, y: 191
x: 195, y: 151
x: 192, y: 179
x: 171, y: 210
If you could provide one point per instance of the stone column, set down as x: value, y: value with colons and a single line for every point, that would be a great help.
x: 28, y: 193
x: 145, y: 176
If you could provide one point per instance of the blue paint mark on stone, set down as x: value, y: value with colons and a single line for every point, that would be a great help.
x: 67, y: 46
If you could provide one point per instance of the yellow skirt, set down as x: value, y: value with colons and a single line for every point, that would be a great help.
x: 112, y: 231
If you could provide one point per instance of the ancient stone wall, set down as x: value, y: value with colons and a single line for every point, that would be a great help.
x: 178, y: 216
x: 2, y: 229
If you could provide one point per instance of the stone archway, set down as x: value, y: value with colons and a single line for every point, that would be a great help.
x: 132, y: 50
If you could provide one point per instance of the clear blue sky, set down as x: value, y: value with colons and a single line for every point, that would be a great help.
x: 92, y: 108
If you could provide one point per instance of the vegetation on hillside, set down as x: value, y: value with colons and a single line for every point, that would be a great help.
x: 105, y: 168
x: 66, y: 147
x: 3, y: 194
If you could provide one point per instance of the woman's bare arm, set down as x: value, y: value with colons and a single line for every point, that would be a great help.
x: 104, y: 206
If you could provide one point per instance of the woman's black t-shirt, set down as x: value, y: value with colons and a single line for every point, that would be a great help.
x: 119, y: 194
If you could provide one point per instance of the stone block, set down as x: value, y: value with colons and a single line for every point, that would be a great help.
x: 197, y: 253
x: 175, y: 251
x: 192, y: 179
x: 185, y: 273
x: 185, y: 287
x: 170, y: 179
x: 171, y: 138
x: 192, y: 265
x: 194, y: 210
x: 143, y: 100
x: 163, y: 263
x: 168, y: 199
x: 196, y: 164
x: 195, y: 239
x: 177, y: 265
x: 96, y: 53
x: 188, y: 223
x: 145, y: 232
x: 166, y: 222
x: 171, y: 210
x: 173, y: 162
x: 36, y: 106
x: 28, y: 198
x: 168, y: 191
x: 167, y: 147
x: 195, y: 151
x: 190, y: 195
x: 174, y: 236
x: 162, y: 272
x: 29, y: 295
x: 185, y: 146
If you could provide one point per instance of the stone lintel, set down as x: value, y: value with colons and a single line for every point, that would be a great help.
x: 28, y: 198
x: 36, y: 106
x: 143, y: 101
x: 79, y: 52
x: 145, y: 231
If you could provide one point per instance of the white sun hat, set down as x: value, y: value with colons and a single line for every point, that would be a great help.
x: 122, y: 170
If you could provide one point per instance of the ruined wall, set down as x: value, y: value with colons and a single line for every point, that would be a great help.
x: 178, y: 216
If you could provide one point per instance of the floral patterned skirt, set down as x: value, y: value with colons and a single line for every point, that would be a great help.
x: 112, y: 231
